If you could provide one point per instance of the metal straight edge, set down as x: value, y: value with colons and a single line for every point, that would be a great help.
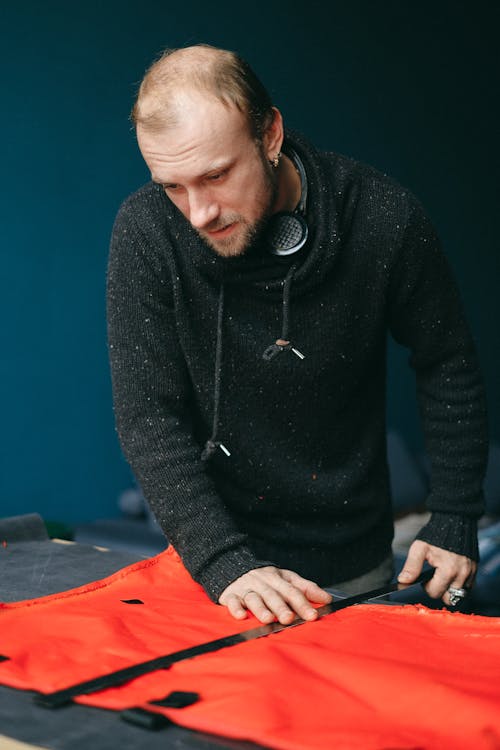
x: 112, y: 679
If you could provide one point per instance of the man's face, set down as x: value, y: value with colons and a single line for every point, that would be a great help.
x: 213, y: 171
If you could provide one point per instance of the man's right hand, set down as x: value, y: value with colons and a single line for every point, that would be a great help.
x: 273, y: 593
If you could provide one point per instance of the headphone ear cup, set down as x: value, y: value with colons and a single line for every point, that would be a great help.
x: 286, y: 233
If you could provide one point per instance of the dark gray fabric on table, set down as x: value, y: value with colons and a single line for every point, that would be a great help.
x: 81, y: 728
x: 39, y: 568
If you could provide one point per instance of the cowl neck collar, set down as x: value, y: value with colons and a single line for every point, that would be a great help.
x: 259, y: 269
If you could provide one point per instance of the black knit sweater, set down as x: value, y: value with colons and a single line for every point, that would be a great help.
x: 306, y: 486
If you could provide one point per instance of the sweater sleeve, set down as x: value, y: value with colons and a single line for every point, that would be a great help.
x: 426, y: 315
x: 151, y: 393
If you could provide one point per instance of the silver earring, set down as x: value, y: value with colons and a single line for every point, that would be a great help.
x: 275, y: 162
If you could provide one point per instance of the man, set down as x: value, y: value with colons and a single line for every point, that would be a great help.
x: 249, y: 374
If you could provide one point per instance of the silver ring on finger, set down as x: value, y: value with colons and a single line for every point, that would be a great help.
x: 456, y: 595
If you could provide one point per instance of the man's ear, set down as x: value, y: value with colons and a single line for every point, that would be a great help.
x: 273, y: 136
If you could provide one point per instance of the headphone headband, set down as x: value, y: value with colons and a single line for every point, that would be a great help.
x: 287, y: 231
x: 297, y: 163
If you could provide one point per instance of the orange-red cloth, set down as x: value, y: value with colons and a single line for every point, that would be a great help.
x: 370, y: 677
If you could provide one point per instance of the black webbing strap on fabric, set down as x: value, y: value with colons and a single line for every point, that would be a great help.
x: 154, y: 721
x: 145, y: 719
x: 111, y: 679
x: 177, y: 699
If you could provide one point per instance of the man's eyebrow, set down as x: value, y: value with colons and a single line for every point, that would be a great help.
x: 162, y: 181
x: 218, y: 167
x: 212, y: 169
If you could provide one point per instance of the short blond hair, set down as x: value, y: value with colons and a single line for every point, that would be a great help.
x: 206, y: 69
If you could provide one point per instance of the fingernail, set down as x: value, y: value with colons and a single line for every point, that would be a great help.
x: 405, y: 576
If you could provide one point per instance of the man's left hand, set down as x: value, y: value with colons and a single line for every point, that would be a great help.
x: 450, y: 569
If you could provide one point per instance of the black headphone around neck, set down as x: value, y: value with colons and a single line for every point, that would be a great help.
x: 287, y: 231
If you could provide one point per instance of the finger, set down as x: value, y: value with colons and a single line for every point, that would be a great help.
x: 235, y: 607
x: 444, y: 577
x: 242, y: 585
x: 256, y: 605
x: 471, y: 578
x: 287, y: 602
x: 311, y: 590
x: 413, y: 563
x: 461, y: 581
x: 439, y: 583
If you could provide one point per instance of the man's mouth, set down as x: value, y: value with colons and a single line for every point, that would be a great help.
x: 221, y: 232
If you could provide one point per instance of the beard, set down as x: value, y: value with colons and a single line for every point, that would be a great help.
x: 246, y: 234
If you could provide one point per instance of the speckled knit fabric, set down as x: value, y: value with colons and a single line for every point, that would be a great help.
x: 306, y: 485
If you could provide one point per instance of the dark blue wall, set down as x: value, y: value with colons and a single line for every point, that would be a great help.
x: 408, y: 87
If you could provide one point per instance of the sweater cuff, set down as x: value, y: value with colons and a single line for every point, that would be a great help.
x: 226, y: 568
x: 451, y: 532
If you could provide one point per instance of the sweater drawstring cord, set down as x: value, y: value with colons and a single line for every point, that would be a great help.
x: 212, y: 444
x: 282, y: 344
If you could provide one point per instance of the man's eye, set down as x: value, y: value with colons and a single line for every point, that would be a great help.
x: 170, y: 186
x: 217, y: 175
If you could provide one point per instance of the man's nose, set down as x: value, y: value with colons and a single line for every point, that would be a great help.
x: 203, y: 210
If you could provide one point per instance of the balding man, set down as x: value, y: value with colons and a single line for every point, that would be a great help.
x: 251, y: 286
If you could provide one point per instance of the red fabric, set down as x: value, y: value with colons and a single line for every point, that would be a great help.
x: 369, y: 677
